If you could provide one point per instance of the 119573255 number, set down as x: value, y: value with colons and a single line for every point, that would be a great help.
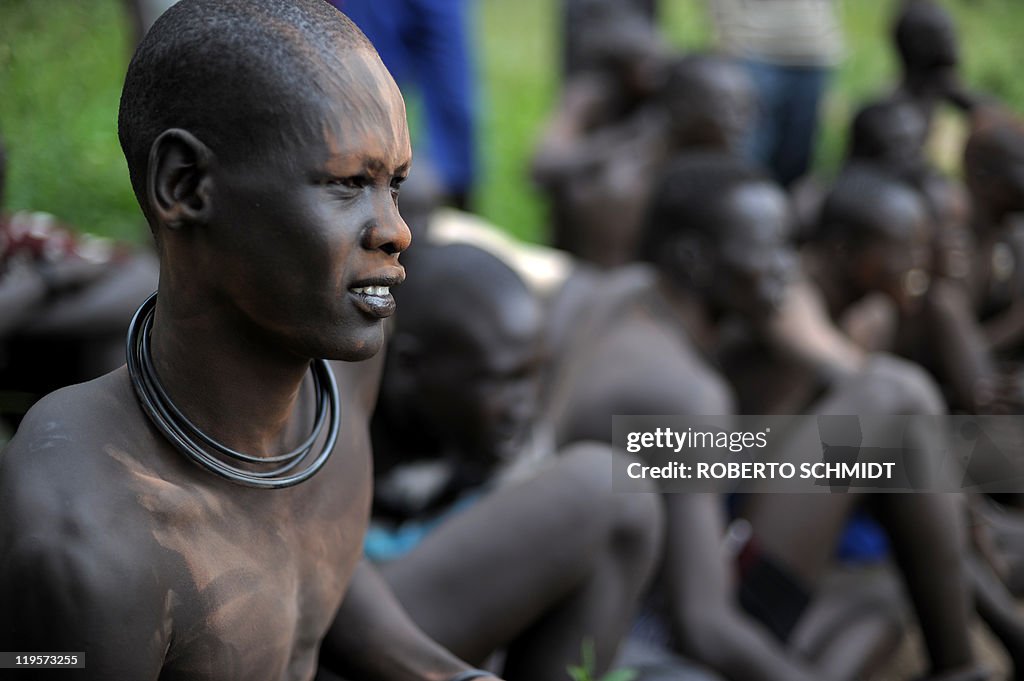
x: 42, y: 660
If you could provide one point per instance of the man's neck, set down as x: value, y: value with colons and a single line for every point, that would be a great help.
x: 235, y: 387
x: 927, y: 86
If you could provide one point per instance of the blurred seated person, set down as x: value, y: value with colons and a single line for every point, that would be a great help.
x: 789, y: 48
x: 724, y: 276
x: 925, y: 39
x: 599, y: 183
x: 65, y: 302
x: 484, y: 545
x: 994, y: 173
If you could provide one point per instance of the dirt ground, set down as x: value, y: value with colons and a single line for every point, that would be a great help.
x: 909, y: 660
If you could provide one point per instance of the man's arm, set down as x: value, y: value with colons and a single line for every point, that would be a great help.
x: 709, y: 625
x: 962, y: 354
x: 373, y: 638
x: 801, y: 329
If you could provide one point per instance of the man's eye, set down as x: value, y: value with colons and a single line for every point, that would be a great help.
x: 396, y: 187
x: 352, y: 182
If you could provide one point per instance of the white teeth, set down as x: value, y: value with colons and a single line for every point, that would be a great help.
x: 373, y: 290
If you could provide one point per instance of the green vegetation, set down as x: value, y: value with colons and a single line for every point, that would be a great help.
x: 62, y: 63
x: 586, y: 669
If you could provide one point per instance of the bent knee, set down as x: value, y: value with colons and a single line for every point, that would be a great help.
x: 583, y: 475
x: 633, y: 517
x: 902, y: 387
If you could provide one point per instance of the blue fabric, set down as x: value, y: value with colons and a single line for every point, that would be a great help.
x: 383, y: 543
x: 863, y: 541
x: 425, y: 45
x: 789, y: 97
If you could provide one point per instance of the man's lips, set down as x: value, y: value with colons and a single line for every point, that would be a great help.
x: 373, y: 296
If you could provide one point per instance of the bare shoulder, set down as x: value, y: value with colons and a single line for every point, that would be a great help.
x: 68, y: 478
x: 73, y: 459
x: 70, y: 434
x: 78, y: 554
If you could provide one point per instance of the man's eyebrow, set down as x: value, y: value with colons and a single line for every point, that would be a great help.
x: 342, y: 164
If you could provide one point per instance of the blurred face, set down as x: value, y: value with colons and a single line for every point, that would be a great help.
x: 1010, y: 180
x: 617, y: 35
x: 718, y: 108
x: 755, y: 261
x: 898, y: 262
x: 932, y: 40
x: 307, y: 239
x: 480, y: 387
x: 902, y: 137
x: 994, y: 172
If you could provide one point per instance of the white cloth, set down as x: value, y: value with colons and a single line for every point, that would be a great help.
x: 786, y: 32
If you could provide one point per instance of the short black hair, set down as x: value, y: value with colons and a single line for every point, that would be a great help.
x: 448, y: 283
x: 913, y: 16
x: 852, y: 210
x: 997, y: 136
x: 867, y: 138
x: 230, y: 72
x: 687, y: 72
x: 688, y: 199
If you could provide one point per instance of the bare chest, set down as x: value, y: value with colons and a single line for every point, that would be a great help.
x: 256, y: 587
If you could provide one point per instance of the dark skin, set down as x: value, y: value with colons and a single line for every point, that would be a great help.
x: 196, y: 561
x: 608, y: 376
x: 889, y: 293
x: 698, y: 586
x: 746, y: 276
x: 599, y: 180
x: 617, y: 62
x: 885, y: 265
x: 599, y: 34
x: 994, y: 170
x: 926, y: 43
x: 926, y: 532
x: 63, y: 318
x: 461, y: 388
x: 891, y: 134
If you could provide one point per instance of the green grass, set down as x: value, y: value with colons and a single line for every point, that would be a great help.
x: 61, y: 68
x: 62, y: 63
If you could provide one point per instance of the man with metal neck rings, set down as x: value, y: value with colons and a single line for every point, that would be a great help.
x: 187, y: 517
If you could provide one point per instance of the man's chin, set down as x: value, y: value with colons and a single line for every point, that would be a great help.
x: 357, y: 349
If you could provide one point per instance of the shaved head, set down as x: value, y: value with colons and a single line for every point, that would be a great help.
x: 866, y: 203
x: 994, y: 160
x: 460, y: 293
x: 234, y: 73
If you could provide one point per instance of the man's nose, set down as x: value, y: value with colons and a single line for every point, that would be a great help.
x: 388, y: 232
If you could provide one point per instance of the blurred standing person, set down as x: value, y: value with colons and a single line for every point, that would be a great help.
x: 790, y: 48
x: 426, y: 46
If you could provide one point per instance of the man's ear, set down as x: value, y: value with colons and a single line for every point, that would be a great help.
x: 178, y: 181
